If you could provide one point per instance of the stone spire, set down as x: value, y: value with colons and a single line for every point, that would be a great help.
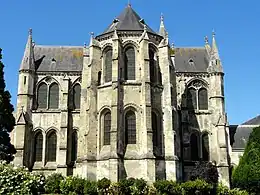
x: 93, y: 41
x: 214, y: 48
x: 28, y: 58
x: 162, y: 30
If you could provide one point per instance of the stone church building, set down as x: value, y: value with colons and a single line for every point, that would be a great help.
x: 127, y: 105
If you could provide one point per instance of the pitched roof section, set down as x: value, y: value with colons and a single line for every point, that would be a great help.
x: 191, y: 59
x: 58, y: 58
x: 253, y: 121
x: 128, y: 20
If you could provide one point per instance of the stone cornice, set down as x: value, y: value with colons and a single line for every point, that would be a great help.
x: 193, y: 74
x: 60, y: 73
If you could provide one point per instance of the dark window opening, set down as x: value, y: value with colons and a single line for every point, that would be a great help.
x: 108, y: 66
x: 130, y: 64
x: 38, y: 147
x: 194, y: 147
x: 203, y: 99
x: 54, y: 96
x: 51, y: 147
x: 192, y: 98
x: 130, y: 127
x: 74, y: 146
x: 76, y: 96
x: 107, y: 128
x: 99, y: 78
x: 42, y: 96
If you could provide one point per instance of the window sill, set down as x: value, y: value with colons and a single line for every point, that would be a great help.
x: 46, y: 110
x: 76, y: 111
x: 131, y: 82
x: 199, y: 112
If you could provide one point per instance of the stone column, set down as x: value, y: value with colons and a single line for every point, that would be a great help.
x: 62, y: 153
x: 168, y: 118
x: 147, y: 133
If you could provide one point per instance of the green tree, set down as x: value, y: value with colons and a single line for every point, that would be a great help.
x: 247, y: 174
x: 7, y: 120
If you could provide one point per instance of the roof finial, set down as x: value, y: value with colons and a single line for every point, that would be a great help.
x: 213, y: 33
x: 30, y: 31
x: 85, y: 45
x: 206, y: 39
x: 145, y: 27
x: 162, y: 17
x: 129, y: 3
x: 92, y: 34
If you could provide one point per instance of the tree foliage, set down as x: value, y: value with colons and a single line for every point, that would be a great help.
x: 247, y: 174
x: 7, y: 120
x: 205, y: 171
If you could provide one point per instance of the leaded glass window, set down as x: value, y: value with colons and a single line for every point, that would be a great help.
x: 38, y: 147
x: 194, y: 147
x: 108, y: 65
x: 130, y: 127
x: 51, y: 147
x: 107, y: 128
x: 130, y: 63
x: 155, y: 129
x: 42, y: 96
x: 203, y: 99
x: 54, y: 96
x: 192, y: 98
x: 76, y: 96
x: 152, y: 67
x: 74, y: 146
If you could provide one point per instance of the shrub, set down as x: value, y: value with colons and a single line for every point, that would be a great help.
x: 167, y: 187
x: 53, y: 183
x: 19, y: 181
x: 223, y: 190
x: 139, y: 188
x: 72, y: 184
x: 197, y: 187
x: 124, y: 185
x: 247, y: 174
x: 90, y: 188
x: 103, y: 185
x: 205, y: 171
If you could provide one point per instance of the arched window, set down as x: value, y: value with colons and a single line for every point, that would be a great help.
x: 205, y: 147
x: 54, y: 96
x: 38, y: 147
x: 155, y: 129
x: 194, y: 147
x: 203, y: 99
x: 76, y: 96
x: 108, y: 65
x: 74, y: 146
x: 192, y: 98
x: 152, y: 67
x: 130, y: 127
x: 51, y: 147
x: 130, y: 64
x: 107, y: 128
x: 42, y: 96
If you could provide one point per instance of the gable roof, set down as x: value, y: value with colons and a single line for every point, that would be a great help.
x: 243, y: 132
x: 128, y: 20
x: 198, y: 56
x: 58, y: 58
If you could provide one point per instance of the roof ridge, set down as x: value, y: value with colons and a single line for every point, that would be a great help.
x: 59, y: 46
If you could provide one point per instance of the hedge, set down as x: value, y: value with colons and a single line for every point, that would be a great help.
x: 19, y: 181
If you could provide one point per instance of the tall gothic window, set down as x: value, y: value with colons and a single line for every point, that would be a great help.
x: 54, y: 96
x: 194, y: 147
x: 205, y: 147
x: 203, y: 99
x: 76, y: 96
x: 192, y: 98
x: 74, y: 146
x: 42, y: 96
x: 130, y: 127
x: 51, y: 147
x: 107, y: 128
x: 152, y: 67
x: 197, y: 95
x: 130, y: 63
x: 155, y: 129
x: 108, y: 65
x: 38, y: 147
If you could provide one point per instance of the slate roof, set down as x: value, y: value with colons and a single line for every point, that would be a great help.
x: 198, y: 56
x: 58, y: 58
x: 128, y: 20
x: 243, y: 132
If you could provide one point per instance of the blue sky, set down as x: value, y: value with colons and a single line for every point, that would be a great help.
x: 64, y: 22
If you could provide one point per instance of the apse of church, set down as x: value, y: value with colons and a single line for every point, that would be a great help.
x: 126, y: 105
